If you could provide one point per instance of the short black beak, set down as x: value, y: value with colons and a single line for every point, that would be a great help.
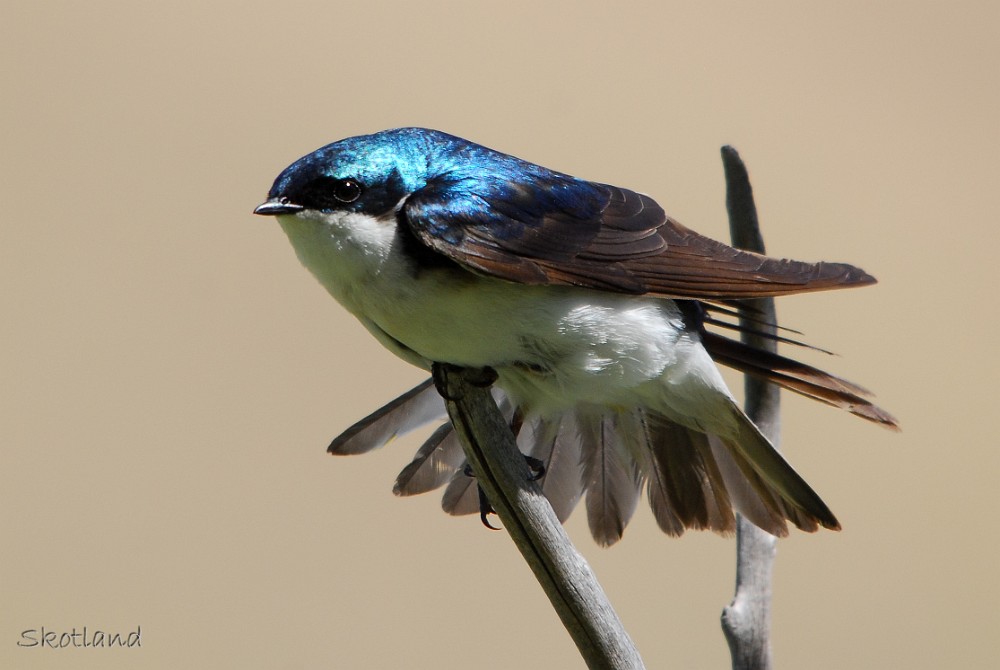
x: 276, y: 206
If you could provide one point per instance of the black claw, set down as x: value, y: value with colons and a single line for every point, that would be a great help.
x: 485, y: 509
x: 536, y: 466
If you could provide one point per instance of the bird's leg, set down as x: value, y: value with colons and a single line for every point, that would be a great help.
x: 438, y: 374
x: 485, y: 506
x: 478, y: 377
x: 536, y: 466
x: 481, y: 377
x: 485, y: 377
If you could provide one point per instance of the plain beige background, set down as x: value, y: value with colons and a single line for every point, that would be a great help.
x: 171, y: 376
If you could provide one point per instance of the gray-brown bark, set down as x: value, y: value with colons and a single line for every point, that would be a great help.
x: 746, y: 621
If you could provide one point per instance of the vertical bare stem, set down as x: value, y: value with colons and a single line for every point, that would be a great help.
x: 747, y: 620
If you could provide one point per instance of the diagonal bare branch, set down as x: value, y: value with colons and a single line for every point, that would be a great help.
x: 527, y: 515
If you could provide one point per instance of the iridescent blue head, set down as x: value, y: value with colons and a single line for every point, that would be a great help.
x: 373, y: 173
x: 369, y: 173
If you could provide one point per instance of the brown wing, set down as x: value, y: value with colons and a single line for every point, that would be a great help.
x: 696, y: 266
x: 605, y: 238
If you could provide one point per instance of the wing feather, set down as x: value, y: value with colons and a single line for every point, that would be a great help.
x: 549, y: 228
x: 799, y: 377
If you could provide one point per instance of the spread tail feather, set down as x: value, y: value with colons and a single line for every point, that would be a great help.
x: 557, y: 444
x: 782, y: 492
x: 434, y: 464
x: 692, y: 479
x: 416, y: 407
x: 611, y: 476
x: 684, y: 484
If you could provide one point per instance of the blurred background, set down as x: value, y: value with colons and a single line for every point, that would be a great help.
x: 172, y: 375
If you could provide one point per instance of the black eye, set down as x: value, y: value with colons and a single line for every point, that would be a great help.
x: 327, y: 193
x: 346, y: 190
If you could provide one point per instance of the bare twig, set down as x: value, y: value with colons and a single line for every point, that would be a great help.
x: 501, y: 470
x: 747, y: 620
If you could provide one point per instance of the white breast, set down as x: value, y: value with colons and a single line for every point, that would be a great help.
x: 553, y: 346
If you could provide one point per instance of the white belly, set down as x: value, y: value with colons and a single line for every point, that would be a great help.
x: 554, y: 347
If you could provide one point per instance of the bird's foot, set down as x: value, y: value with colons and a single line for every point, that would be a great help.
x: 478, y: 377
x: 485, y: 509
x: 481, y: 377
x: 536, y: 466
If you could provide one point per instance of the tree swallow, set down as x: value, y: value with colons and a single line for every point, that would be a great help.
x: 591, y: 305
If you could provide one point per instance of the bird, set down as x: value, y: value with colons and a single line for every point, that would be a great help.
x: 588, y: 302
